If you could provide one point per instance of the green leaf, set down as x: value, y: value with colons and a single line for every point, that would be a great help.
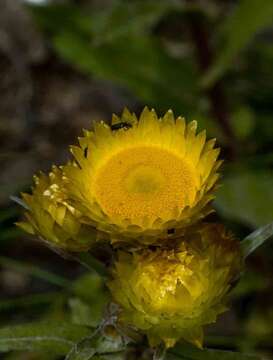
x: 188, y: 352
x: 250, y: 282
x: 90, y: 287
x: 259, y: 326
x: 85, y: 314
x: 53, y: 18
x: 247, y: 196
x: 248, y: 18
x: 125, y: 17
x: 243, y: 122
x: 139, y: 63
x: 8, y: 234
x: 117, y: 19
x: 47, y: 336
x: 34, y: 271
x: 30, y: 356
x: 99, y: 343
x: 90, y: 299
x: 119, y: 356
x: 256, y: 239
x: 81, y: 351
x: 28, y: 301
x: 114, y: 45
x: 8, y: 214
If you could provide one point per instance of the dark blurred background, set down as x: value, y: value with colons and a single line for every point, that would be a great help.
x: 64, y: 64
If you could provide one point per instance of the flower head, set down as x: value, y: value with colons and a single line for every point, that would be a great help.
x: 51, y: 217
x: 171, y: 293
x: 138, y: 178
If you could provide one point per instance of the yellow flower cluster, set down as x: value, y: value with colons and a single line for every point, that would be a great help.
x: 144, y: 186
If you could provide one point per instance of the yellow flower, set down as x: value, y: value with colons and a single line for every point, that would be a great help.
x: 51, y: 217
x: 140, y: 178
x: 170, y: 294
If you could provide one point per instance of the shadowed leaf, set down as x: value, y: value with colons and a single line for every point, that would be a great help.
x: 188, y: 352
x: 34, y: 271
x: 248, y: 18
x: 46, y: 336
x: 247, y: 196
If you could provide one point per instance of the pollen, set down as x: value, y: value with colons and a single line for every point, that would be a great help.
x: 170, y: 294
x: 136, y: 181
x: 143, y: 182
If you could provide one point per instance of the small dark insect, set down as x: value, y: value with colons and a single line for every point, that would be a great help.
x: 171, y: 231
x: 85, y: 152
x: 121, y: 125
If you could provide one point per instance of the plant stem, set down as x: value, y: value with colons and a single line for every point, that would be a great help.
x: 256, y: 239
x: 88, y: 261
x: 160, y: 352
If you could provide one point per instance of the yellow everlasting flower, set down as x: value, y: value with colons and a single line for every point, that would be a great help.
x: 170, y: 294
x: 50, y: 216
x: 143, y: 177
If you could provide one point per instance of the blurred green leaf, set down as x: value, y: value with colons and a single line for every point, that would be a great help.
x: 247, y: 196
x: 7, y: 214
x: 98, y: 343
x: 9, y: 233
x: 250, y: 282
x: 119, y: 356
x: 125, y: 18
x: 90, y: 288
x: 256, y: 239
x: 139, y: 63
x: 249, y: 17
x: 243, y: 122
x: 119, y: 18
x: 34, y: 271
x: 83, y: 314
x: 53, y: 18
x: 189, y: 352
x: 81, y: 351
x: 91, y: 297
x: 28, y: 301
x: 259, y: 325
x: 8, y: 230
x: 52, y: 337
x: 30, y: 356
x: 116, y: 45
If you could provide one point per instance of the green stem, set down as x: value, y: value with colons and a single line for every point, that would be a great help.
x: 89, y: 262
x: 255, y: 239
x: 160, y: 352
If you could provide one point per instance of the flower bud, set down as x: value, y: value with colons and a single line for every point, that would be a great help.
x: 169, y: 294
x: 50, y: 216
